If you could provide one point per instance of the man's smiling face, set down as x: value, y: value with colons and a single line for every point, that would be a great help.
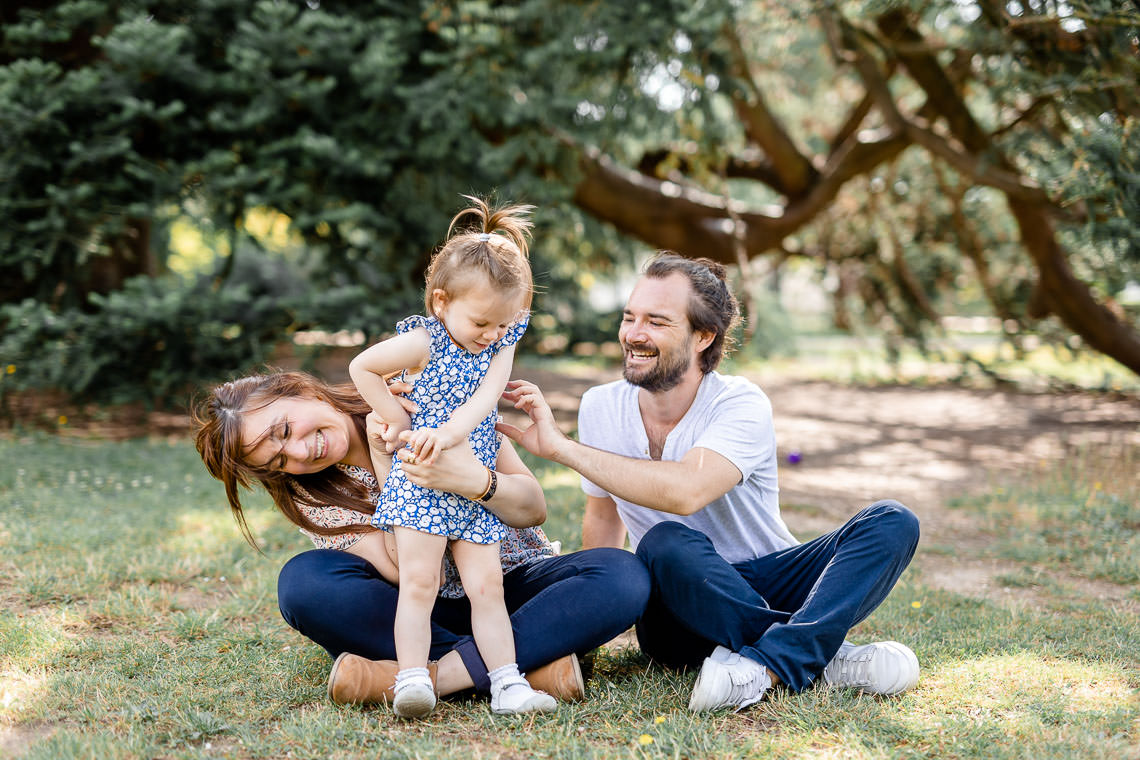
x: 655, y: 336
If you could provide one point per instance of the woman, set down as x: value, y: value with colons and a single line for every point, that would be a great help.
x: 308, y: 444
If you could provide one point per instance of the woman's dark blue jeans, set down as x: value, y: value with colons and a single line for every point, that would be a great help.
x: 571, y: 603
x: 789, y: 610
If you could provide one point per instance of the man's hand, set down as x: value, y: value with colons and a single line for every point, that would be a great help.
x: 542, y: 438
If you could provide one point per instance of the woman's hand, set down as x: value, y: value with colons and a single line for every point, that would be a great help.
x: 455, y: 470
x: 378, y: 432
x: 377, y: 428
x: 518, y: 500
x: 398, y: 388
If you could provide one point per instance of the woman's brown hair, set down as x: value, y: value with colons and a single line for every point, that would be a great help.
x: 495, y: 245
x: 218, y: 419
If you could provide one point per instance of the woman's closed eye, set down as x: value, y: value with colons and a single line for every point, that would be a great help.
x: 281, y: 461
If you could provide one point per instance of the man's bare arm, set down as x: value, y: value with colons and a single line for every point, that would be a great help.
x: 680, y: 488
x: 601, y: 524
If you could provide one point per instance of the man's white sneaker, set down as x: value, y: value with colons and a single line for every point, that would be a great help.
x: 885, y: 667
x: 728, y: 680
x: 517, y: 696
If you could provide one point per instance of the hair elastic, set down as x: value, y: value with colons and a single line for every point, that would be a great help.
x: 484, y: 237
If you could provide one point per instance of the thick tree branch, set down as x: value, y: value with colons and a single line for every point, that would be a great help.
x: 795, y: 170
x: 668, y: 215
x: 749, y: 164
x: 696, y: 223
x: 981, y: 166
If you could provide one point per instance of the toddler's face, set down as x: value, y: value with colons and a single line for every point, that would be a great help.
x: 478, y: 316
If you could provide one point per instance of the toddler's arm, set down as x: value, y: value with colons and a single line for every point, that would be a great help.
x: 427, y: 443
x: 404, y: 351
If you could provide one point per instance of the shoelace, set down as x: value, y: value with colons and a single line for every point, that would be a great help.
x: 742, y: 685
x: 854, y: 670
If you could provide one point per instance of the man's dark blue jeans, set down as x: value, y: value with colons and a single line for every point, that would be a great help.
x: 558, y: 606
x: 789, y: 610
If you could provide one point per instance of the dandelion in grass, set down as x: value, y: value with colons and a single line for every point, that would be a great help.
x: 11, y: 369
x: 659, y: 719
x: 644, y: 739
x: 916, y: 604
x: 62, y: 419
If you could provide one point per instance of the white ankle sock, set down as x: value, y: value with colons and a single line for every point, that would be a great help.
x: 500, y: 677
x: 408, y: 674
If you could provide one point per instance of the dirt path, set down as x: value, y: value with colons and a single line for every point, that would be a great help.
x: 921, y: 446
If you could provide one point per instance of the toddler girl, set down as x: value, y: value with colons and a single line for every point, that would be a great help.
x: 479, y: 287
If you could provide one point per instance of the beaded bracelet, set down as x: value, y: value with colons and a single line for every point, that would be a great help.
x: 494, y: 483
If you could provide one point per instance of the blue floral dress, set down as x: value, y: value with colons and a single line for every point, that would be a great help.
x: 451, y: 375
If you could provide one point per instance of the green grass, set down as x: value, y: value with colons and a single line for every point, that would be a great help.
x: 135, y: 623
x: 1081, y: 515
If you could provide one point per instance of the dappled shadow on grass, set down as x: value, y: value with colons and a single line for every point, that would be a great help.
x: 995, y: 683
x: 120, y: 639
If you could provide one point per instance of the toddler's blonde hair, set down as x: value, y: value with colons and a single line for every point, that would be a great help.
x: 496, y: 245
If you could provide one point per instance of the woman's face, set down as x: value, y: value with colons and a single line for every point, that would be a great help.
x: 296, y: 435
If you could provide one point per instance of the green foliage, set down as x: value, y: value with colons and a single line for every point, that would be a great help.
x: 357, y: 121
x: 156, y: 339
x: 148, y: 340
x: 363, y: 122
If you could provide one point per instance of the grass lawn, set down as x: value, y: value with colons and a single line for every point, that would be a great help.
x: 135, y: 623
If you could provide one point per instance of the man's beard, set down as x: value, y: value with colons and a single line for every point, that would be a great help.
x: 666, y: 373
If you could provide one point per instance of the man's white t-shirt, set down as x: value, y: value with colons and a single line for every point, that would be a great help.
x: 730, y: 416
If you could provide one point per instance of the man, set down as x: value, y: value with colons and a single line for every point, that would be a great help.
x: 684, y: 460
